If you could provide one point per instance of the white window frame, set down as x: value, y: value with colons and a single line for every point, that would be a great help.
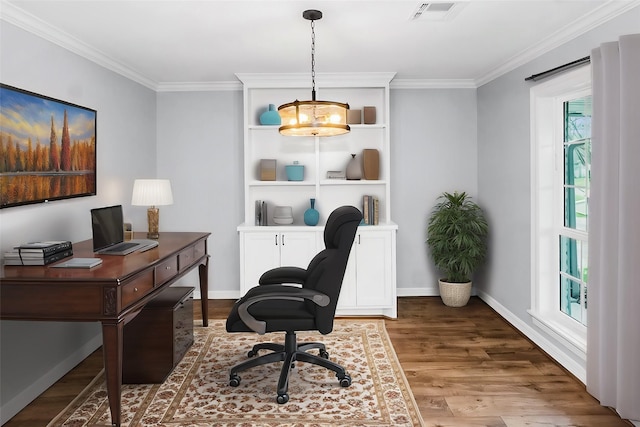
x: 547, y: 201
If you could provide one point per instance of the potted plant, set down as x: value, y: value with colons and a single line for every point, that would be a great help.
x: 456, y: 235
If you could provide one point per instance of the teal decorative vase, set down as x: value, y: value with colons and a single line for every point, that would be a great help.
x: 311, y: 215
x: 270, y: 117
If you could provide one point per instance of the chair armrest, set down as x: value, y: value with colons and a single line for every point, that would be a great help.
x: 280, y: 275
x: 282, y: 293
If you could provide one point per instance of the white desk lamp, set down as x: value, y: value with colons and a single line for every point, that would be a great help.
x: 152, y: 192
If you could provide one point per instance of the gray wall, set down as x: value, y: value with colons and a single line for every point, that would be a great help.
x: 33, y: 355
x: 433, y: 149
x: 199, y: 149
x: 504, y: 178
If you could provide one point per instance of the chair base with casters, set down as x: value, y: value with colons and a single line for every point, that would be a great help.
x: 295, y: 299
x: 289, y: 353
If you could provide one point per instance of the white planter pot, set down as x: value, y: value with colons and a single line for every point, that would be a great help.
x: 455, y: 294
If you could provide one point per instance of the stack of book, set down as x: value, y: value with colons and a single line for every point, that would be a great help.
x: 371, y: 209
x: 38, y: 253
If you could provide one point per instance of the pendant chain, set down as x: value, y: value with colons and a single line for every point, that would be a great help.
x: 313, y: 59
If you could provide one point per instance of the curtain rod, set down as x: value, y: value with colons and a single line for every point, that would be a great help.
x: 560, y: 69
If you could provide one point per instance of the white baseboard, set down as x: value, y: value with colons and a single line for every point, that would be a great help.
x: 418, y: 292
x: 550, y: 348
x: 18, y: 403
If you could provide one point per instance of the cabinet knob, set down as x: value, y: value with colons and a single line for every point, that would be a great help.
x: 135, y: 289
x: 168, y: 267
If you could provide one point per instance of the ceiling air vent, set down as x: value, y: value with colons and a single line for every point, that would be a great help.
x: 435, y: 11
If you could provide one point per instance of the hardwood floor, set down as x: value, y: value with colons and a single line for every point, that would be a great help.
x: 466, y: 366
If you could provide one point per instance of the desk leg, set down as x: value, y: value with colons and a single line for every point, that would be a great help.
x: 203, y: 270
x: 112, y: 338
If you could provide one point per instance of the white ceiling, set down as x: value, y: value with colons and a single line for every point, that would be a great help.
x: 173, y: 43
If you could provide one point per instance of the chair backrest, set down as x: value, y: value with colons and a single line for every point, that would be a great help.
x: 326, y: 270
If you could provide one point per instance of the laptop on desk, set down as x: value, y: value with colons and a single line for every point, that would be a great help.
x: 107, y: 226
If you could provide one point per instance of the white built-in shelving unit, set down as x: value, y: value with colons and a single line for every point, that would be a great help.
x: 369, y: 287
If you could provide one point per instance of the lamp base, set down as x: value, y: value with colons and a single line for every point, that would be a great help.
x: 153, y: 218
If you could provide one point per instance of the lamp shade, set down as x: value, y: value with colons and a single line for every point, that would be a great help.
x: 152, y: 192
x: 311, y: 118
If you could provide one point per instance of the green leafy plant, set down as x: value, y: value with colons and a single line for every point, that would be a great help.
x: 456, y: 235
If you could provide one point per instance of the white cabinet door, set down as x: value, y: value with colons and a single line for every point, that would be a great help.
x: 261, y: 253
x: 348, y: 293
x: 369, y: 283
x: 297, y: 248
x: 373, y: 269
x: 264, y: 250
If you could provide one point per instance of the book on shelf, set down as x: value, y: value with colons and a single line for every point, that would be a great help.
x: 261, y: 212
x: 370, y: 209
x: 16, y: 258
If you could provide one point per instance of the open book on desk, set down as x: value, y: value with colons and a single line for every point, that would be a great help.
x: 79, y: 263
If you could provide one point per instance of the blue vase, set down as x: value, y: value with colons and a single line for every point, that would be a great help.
x: 311, y: 215
x: 270, y: 117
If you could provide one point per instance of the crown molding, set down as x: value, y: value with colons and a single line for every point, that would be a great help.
x: 30, y: 23
x: 198, y: 86
x: 296, y: 80
x: 433, y: 84
x: 257, y: 79
x: 588, y: 22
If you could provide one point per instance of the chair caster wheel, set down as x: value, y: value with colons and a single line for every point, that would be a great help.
x: 324, y: 354
x: 234, y: 380
x: 282, y: 398
x: 345, y: 381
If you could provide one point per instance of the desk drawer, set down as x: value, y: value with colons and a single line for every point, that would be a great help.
x: 188, y: 256
x: 137, y: 288
x: 166, y: 270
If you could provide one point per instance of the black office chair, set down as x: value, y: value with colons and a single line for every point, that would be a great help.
x: 277, y: 306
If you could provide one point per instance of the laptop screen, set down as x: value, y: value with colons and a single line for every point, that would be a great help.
x: 107, y: 225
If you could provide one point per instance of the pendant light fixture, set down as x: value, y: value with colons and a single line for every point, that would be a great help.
x: 313, y: 118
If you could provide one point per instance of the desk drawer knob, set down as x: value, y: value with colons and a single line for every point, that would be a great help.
x: 167, y: 267
x: 135, y: 289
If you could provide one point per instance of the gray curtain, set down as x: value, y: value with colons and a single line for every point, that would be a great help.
x: 613, y: 337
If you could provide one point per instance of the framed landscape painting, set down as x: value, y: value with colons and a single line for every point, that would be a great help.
x: 47, y: 148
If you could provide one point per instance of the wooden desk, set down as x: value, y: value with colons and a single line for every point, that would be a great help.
x: 112, y: 293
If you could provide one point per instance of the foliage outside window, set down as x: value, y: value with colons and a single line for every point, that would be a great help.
x: 573, y: 233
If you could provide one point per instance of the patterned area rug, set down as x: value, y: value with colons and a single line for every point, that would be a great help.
x: 197, y: 393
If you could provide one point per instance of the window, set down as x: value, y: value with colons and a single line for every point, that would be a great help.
x: 560, y: 174
x: 573, y: 234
